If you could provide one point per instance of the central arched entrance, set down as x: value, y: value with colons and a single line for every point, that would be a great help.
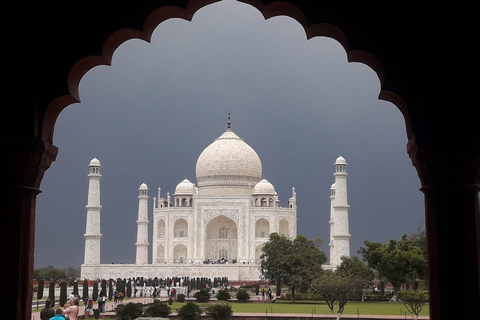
x: 221, y: 239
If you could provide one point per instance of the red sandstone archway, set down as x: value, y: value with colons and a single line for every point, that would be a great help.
x: 443, y: 145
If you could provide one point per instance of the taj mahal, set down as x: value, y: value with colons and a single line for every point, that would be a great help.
x: 215, y: 227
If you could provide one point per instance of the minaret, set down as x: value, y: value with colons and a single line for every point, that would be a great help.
x: 142, y: 226
x: 92, y: 234
x: 332, y: 203
x: 339, y: 234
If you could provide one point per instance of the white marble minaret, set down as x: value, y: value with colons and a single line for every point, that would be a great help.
x: 142, y: 226
x: 92, y: 234
x: 339, y: 234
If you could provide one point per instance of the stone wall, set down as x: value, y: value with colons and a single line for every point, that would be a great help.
x: 234, y: 272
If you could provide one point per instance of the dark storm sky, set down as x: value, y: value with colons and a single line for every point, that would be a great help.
x: 298, y: 103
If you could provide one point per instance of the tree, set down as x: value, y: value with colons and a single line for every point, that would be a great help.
x: 85, y: 290
x: 337, y: 286
x: 121, y: 285
x: 356, y: 268
x: 326, y: 287
x: 63, y: 293
x: 129, y: 288
x: 103, y: 285
x: 293, y: 263
x: 71, y: 273
x: 95, y: 291
x: 398, y: 261
x: 41, y: 283
x: 110, y: 289
x: 75, y: 287
x: 51, y: 290
x: 49, y: 272
x: 414, y: 300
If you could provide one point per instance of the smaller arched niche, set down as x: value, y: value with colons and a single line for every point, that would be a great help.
x: 160, y: 254
x: 180, y: 228
x: 262, y: 228
x: 161, y: 228
x: 283, y: 228
x: 180, y: 254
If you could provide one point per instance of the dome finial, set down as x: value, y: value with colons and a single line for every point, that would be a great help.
x: 229, y: 123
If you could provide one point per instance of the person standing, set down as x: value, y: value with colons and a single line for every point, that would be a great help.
x: 47, y: 312
x: 72, y: 310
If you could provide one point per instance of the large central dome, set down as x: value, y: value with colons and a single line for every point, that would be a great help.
x: 228, y: 163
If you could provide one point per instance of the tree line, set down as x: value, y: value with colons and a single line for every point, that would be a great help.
x: 298, y: 264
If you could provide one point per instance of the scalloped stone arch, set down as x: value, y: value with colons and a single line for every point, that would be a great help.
x: 157, y: 16
x: 406, y: 45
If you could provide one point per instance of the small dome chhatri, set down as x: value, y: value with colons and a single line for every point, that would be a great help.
x: 94, y: 163
x: 340, y: 160
x: 264, y: 187
x: 185, y: 188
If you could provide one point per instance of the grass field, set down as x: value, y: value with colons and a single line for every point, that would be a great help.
x: 365, y: 308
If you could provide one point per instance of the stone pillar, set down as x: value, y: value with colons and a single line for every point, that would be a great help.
x: 25, y: 162
x: 451, y: 187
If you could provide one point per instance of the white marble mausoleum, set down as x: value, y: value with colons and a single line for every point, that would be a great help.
x: 215, y: 227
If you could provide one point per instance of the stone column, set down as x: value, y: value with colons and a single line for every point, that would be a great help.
x: 451, y: 187
x: 25, y: 162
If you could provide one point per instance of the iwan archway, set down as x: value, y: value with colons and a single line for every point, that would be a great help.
x: 221, y: 240
x: 443, y: 142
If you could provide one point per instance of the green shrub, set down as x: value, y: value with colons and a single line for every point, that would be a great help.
x: 129, y: 311
x: 190, y: 311
x: 223, y: 295
x: 242, y: 295
x: 220, y: 311
x: 181, y: 297
x: 202, y: 296
x: 248, y: 286
x: 304, y: 297
x: 158, y: 309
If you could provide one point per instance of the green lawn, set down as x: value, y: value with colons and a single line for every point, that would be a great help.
x: 366, y: 308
